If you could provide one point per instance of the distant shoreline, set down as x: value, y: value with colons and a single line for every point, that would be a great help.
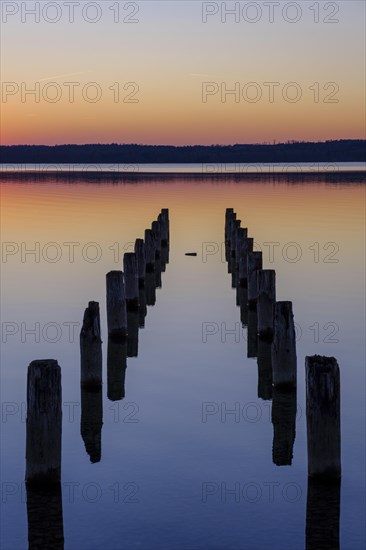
x: 340, y: 151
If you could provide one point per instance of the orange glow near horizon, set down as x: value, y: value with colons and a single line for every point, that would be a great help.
x: 170, y: 79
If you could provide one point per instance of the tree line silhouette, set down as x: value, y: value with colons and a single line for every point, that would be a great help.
x: 328, y: 151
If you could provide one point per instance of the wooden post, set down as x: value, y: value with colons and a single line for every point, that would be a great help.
x: 284, y: 346
x: 141, y: 260
x: 323, y: 514
x: 231, y: 264
x: 165, y: 232
x: 264, y: 362
x: 116, y: 306
x: 156, y: 229
x: 246, y: 247
x: 164, y: 239
x: 284, y: 425
x: 45, y: 517
x: 254, y: 265
x: 241, y: 234
x: 323, y: 416
x: 149, y: 250
x: 44, y: 423
x: 164, y: 225
x: 158, y: 279
x: 116, y: 370
x: 91, y: 348
x: 131, y: 281
x: 230, y: 220
x: 252, y: 336
x: 150, y: 289
x: 266, y: 280
x: 227, y: 251
x: 235, y: 224
x: 91, y: 422
x: 230, y: 216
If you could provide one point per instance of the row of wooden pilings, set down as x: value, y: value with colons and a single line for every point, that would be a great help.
x: 129, y: 291
x: 271, y: 328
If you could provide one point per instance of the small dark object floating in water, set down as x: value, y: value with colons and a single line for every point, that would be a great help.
x: 191, y: 253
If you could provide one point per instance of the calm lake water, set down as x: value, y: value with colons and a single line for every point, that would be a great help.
x: 187, y: 457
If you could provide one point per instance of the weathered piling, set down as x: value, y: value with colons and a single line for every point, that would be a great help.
x: 44, y: 423
x: 132, y: 333
x: 230, y: 216
x: 266, y: 280
x: 91, y: 422
x: 150, y: 289
x: 141, y: 261
x: 241, y: 234
x: 323, y: 416
x: 165, y: 229
x: 149, y: 250
x: 231, y: 264
x: 156, y: 230
x: 131, y: 281
x: 246, y: 247
x: 235, y: 225
x: 284, y: 345
x: 45, y: 517
x: 264, y: 362
x: 116, y: 306
x: 227, y: 251
x: 252, y: 336
x: 254, y: 265
x: 158, y: 279
x: 284, y: 425
x: 228, y: 213
x: 323, y: 514
x: 116, y: 370
x: 91, y: 347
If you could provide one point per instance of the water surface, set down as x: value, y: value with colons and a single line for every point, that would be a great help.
x: 170, y: 476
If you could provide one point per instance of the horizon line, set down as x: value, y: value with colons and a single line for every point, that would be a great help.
x: 130, y: 144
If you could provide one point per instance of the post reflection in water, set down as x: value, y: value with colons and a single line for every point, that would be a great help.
x: 45, y: 518
x: 142, y: 307
x: 284, y: 425
x: 323, y: 514
x: 164, y: 257
x: 132, y: 333
x: 116, y: 369
x: 234, y: 275
x: 158, y: 269
x: 92, y: 422
x: 243, y: 304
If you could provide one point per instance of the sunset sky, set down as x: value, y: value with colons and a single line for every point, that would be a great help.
x: 171, y: 57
